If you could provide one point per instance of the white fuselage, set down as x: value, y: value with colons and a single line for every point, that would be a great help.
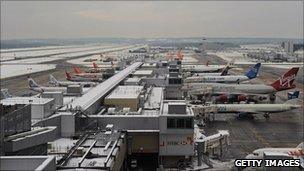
x: 254, y: 108
x: 232, y: 88
x: 208, y: 74
x: 203, y: 68
x: 217, y: 79
x: 89, y: 75
x: 67, y: 83
x: 259, y: 153
x: 84, y: 79
x: 49, y: 89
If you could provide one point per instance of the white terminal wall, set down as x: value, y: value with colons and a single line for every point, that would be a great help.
x: 40, y: 107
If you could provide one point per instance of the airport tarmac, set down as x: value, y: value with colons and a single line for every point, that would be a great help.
x: 280, y: 130
x: 284, y: 129
x: 18, y: 86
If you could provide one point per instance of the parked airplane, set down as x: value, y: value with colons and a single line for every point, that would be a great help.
x: 69, y: 77
x: 206, y: 68
x: 297, y: 152
x: 79, y: 73
x: 55, y: 82
x: 222, y: 73
x: 247, y: 110
x: 97, y: 69
x: 231, y: 98
x: 252, y: 73
x: 35, y: 87
x: 284, y: 82
x: 259, y: 153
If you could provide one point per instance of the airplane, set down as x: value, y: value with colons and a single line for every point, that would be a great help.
x: 231, y: 98
x: 79, y: 73
x: 258, y: 154
x: 206, y: 68
x: 180, y: 55
x: 224, y: 72
x: 297, y: 152
x: 35, y: 87
x: 247, y: 110
x: 55, y: 82
x: 97, y: 69
x: 284, y: 82
x: 252, y: 73
x: 69, y: 77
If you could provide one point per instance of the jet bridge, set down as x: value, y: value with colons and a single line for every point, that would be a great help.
x: 206, y: 144
x: 90, y: 102
x: 204, y: 112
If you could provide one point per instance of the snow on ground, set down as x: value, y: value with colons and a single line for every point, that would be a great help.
x: 231, y: 55
x: 260, y: 46
x: 118, y: 53
x: 284, y: 66
x: 97, y: 59
x: 17, y: 70
x: 50, y: 51
x: 38, y: 48
x: 188, y: 58
x: 240, y: 59
x: 66, y: 56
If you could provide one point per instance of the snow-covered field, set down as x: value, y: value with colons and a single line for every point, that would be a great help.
x: 16, y: 70
x: 32, y: 65
x: 118, y: 54
x: 66, y: 56
x: 189, y: 59
x: 97, y: 59
x: 260, y: 46
x: 240, y: 59
x: 47, y: 51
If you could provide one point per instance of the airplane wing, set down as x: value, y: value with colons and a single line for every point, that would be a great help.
x: 234, y: 93
x: 250, y: 112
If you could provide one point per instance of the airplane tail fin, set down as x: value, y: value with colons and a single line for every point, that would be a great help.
x: 293, y: 95
x: 301, y: 145
x: 76, y: 69
x: 253, y: 72
x: 180, y: 55
x: 53, y: 80
x: 31, y: 82
x: 68, y: 75
x: 225, y: 71
x: 286, y: 80
x: 95, y: 65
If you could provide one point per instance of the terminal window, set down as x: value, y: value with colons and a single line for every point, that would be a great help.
x: 179, y: 123
x: 175, y: 81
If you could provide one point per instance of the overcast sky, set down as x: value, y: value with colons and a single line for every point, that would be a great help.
x: 74, y: 19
